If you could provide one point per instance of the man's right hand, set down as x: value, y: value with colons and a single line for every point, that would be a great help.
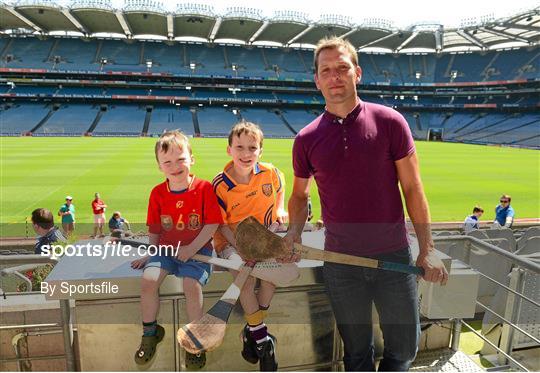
x: 290, y: 239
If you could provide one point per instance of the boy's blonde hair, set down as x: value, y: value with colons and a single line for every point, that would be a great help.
x: 170, y: 139
x: 249, y: 128
x: 334, y: 43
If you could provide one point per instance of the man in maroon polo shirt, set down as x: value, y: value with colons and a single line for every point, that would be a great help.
x: 358, y: 153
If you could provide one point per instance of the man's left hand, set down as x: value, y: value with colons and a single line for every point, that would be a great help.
x: 434, y: 269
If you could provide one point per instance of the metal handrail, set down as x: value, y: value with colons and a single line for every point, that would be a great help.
x: 510, y: 290
x: 26, y: 259
x: 494, y: 346
x: 517, y: 259
x: 509, y: 322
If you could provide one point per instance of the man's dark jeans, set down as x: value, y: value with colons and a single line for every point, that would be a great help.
x: 352, y: 291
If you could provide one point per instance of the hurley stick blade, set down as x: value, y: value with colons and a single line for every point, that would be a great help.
x: 207, y: 333
x: 279, y: 274
x: 255, y: 242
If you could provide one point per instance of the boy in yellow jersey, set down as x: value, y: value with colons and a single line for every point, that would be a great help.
x: 249, y: 188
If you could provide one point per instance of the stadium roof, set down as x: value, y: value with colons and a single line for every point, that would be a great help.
x: 149, y: 19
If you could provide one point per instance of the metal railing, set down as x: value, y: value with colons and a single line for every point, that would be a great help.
x: 24, y: 262
x: 521, y: 265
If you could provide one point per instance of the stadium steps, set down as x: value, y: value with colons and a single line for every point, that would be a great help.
x: 6, y: 48
x: 45, y: 119
x: 485, y: 127
x: 96, y: 120
x: 147, y: 119
x: 265, y: 60
x: 524, y: 139
x: 469, y: 123
x: 54, y: 46
x: 375, y: 67
x: 528, y: 63
x: 141, y: 55
x: 507, y: 130
x: 195, y: 119
x: 484, y: 72
x: 185, y: 62
x: 98, y: 52
x: 301, y: 57
x: 239, y: 115
x: 418, y: 124
x: 280, y: 115
x: 449, y: 66
x: 226, y: 58
x: 424, y: 66
x: 446, y: 117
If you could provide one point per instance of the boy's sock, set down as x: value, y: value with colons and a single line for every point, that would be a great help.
x: 259, y: 333
x: 264, y: 310
x: 257, y: 327
x: 149, y: 328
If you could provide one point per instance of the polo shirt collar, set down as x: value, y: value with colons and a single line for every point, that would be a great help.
x: 350, y: 118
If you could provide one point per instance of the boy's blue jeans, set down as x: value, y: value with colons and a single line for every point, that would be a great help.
x: 352, y: 290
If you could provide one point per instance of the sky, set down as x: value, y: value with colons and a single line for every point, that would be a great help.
x: 402, y: 12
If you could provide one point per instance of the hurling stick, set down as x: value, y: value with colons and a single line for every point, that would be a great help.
x: 307, y: 252
x: 279, y: 274
x: 207, y: 333
x: 255, y: 242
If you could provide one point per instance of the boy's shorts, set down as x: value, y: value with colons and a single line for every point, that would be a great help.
x: 192, y: 268
x: 99, y: 218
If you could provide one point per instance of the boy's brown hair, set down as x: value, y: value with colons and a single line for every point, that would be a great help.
x: 169, y: 139
x: 477, y: 209
x: 43, y: 218
x: 248, y: 128
x: 334, y: 43
x: 506, y: 196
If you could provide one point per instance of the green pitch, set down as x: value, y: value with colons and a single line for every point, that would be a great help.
x: 40, y: 172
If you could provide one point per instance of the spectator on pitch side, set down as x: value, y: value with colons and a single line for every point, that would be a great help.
x: 98, y: 207
x: 119, y: 225
x: 67, y: 212
x: 504, y: 213
x: 472, y: 222
x: 43, y: 224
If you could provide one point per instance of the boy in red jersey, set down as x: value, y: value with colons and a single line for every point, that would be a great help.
x: 183, y: 210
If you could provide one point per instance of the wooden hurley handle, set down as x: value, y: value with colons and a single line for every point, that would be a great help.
x: 233, y: 292
x: 307, y: 252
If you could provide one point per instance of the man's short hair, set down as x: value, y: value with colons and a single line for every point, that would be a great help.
x: 334, y: 42
x: 43, y: 218
x: 477, y: 209
x: 248, y: 128
x: 170, y: 139
x: 506, y: 196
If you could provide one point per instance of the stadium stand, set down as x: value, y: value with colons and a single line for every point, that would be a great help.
x: 167, y: 118
x: 73, y: 119
x: 113, y: 86
x: 270, y: 123
x: 215, y: 121
x: 121, y: 119
x: 18, y: 118
x: 298, y: 119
